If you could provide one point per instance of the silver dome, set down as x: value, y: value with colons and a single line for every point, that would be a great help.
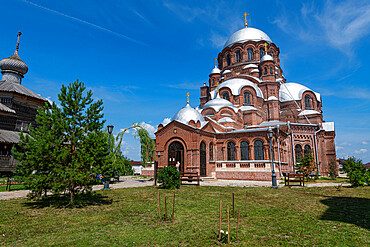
x: 267, y: 57
x: 14, y: 63
x: 215, y: 71
x: 218, y: 103
x: 245, y: 34
x: 188, y: 113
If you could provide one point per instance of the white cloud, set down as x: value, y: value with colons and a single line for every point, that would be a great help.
x: 361, y: 151
x: 339, y: 148
x: 150, y: 128
x: 166, y: 121
x: 365, y: 142
x: 339, y: 25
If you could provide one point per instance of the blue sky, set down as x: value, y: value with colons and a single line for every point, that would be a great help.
x: 142, y: 57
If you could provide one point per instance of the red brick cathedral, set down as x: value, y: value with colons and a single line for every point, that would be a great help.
x: 226, y: 136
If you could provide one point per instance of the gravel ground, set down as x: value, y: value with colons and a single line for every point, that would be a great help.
x: 132, y: 181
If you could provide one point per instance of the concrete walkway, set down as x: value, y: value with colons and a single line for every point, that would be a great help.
x: 134, y: 181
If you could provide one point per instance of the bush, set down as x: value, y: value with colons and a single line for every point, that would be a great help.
x: 169, y: 176
x: 307, y: 166
x: 333, y: 172
x: 356, y: 172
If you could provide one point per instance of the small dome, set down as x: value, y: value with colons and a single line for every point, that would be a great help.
x: 226, y: 72
x: 188, y: 113
x: 215, y: 71
x: 272, y: 98
x: 245, y: 34
x: 14, y: 63
x: 267, y: 57
x: 218, y: 103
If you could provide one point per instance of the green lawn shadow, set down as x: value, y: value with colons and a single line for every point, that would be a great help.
x: 353, y: 210
x: 63, y: 201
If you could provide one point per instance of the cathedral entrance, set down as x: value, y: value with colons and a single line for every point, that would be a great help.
x: 176, y: 154
x: 203, y: 160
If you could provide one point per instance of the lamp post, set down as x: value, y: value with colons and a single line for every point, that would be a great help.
x: 110, y: 130
x: 270, y: 135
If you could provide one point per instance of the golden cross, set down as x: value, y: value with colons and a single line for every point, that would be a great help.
x: 217, y: 83
x: 188, y: 94
x: 215, y: 61
x: 19, y: 34
x: 265, y: 47
x: 245, y: 19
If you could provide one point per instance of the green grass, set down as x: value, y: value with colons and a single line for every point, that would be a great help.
x: 12, y: 187
x: 129, y: 217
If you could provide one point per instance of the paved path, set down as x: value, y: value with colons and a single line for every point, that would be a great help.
x: 131, y: 181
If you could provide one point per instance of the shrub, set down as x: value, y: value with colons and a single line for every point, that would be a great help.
x: 307, y: 166
x: 169, y: 176
x: 356, y: 171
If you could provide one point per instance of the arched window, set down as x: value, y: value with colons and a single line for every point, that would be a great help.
x: 225, y: 96
x: 258, y: 150
x: 298, y: 152
x: 265, y: 70
x: 211, y: 151
x: 271, y: 71
x: 307, y: 150
x: 307, y: 102
x: 250, y: 54
x: 272, y: 53
x: 244, y: 150
x: 247, y: 98
x: 213, y: 82
x: 228, y: 60
x: 238, y: 56
x: 262, y: 52
x: 231, y: 151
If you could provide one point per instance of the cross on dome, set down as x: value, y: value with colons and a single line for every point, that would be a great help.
x: 188, y: 94
x: 215, y: 61
x: 245, y: 19
x: 266, y: 47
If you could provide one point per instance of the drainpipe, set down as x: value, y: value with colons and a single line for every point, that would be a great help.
x: 316, y: 151
x: 293, y: 151
x: 278, y: 146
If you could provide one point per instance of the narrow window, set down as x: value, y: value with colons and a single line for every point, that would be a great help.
x: 247, y: 98
x: 231, y: 151
x: 225, y: 96
x: 238, y: 56
x: 298, y: 152
x: 307, y: 150
x: 307, y: 102
x: 250, y: 54
x: 244, y: 150
x: 258, y: 150
x: 213, y: 82
x: 265, y: 71
x: 271, y: 71
x: 211, y: 151
x: 262, y: 52
x: 272, y: 53
x: 228, y: 61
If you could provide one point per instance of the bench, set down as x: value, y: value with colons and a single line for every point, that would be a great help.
x: 190, y: 177
x: 293, y: 178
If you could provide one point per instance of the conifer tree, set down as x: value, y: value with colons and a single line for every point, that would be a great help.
x: 67, y: 148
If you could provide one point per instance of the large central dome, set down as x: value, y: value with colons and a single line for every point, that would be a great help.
x: 245, y: 34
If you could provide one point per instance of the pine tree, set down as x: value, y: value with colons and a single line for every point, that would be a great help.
x: 67, y: 148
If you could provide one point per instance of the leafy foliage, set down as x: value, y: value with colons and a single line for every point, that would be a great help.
x: 356, y: 172
x: 169, y: 177
x: 147, y: 146
x: 67, y: 147
x: 306, y: 165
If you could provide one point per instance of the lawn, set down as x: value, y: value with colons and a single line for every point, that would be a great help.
x: 129, y: 217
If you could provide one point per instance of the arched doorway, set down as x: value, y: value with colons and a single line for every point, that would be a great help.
x: 176, y: 154
x: 203, y: 160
